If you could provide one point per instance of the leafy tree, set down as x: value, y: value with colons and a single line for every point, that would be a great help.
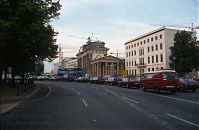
x: 26, y: 35
x: 185, y: 53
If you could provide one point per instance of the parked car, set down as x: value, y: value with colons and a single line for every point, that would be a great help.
x: 113, y: 81
x: 97, y: 80
x: 130, y: 82
x: 188, y: 83
x: 160, y: 80
x: 82, y: 79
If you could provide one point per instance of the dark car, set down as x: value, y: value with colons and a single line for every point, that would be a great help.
x: 188, y: 83
x: 97, y: 80
x: 130, y: 82
x: 113, y: 81
x: 82, y: 79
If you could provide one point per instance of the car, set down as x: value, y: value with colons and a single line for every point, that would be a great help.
x: 113, y: 81
x: 82, y: 79
x: 129, y: 82
x: 188, y: 83
x: 98, y: 80
x: 160, y: 80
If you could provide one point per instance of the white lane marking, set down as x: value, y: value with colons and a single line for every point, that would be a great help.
x: 85, y: 104
x: 94, y: 120
x: 130, y: 100
x: 179, y: 99
x: 188, y: 122
x: 78, y: 92
x: 49, y: 91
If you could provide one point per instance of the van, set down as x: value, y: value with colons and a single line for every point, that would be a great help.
x: 160, y: 80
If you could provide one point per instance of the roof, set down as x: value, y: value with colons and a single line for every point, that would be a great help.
x: 145, y: 35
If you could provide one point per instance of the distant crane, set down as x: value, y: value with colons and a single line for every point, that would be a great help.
x: 117, y: 53
x: 192, y: 28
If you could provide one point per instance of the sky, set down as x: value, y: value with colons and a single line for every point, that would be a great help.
x: 117, y: 21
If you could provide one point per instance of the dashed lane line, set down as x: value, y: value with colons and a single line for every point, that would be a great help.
x: 183, y: 120
x: 85, y: 104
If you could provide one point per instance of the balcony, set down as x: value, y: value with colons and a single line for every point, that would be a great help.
x: 141, y: 65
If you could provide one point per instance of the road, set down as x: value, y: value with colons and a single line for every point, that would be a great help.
x: 84, y: 106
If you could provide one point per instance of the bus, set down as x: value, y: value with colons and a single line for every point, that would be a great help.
x: 70, y: 72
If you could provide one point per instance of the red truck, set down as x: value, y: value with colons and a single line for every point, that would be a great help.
x: 160, y: 80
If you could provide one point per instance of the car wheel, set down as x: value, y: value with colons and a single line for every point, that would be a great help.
x: 173, y: 91
x: 193, y: 90
x: 157, y: 90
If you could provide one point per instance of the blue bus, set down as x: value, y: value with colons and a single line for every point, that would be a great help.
x: 70, y: 72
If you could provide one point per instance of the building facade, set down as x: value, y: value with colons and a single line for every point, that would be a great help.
x: 89, y: 52
x: 149, y: 52
x: 72, y: 63
x: 107, y: 66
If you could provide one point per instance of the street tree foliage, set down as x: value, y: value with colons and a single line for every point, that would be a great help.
x: 185, y: 53
x: 26, y: 35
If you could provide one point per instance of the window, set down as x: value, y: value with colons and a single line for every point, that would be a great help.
x: 147, y: 40
x: 132, y: 62
x: 148, y: 49
x: 151, y: 48
x: 152, y: 69
x: 135, y: 53
x: 135, y: 72
x: 132, y: 71
x: 126, y: 54
x: 138, y: 44
x: 129, y: 54
x: 135, y: 62
x: 149, y: 69
x: 126, y: 47
x: 126, y: 63
x: 131, y: 46
x: 161, y: 57
x: 162, y: 68
x: 156, y: 58
x: 152, y: 39
x: 134, y: 45
x: 156, y: 37
x: 132, y: 53
x: 160, y: 46
x: 148, y: 60
x: 144, y: 41
x: 156, y: 47
x: 129, y: 63
x: 160, y: 36
x: 152, y: 59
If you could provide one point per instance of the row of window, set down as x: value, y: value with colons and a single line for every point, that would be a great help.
x: 152, y: 59
x: 144, y: 41
x: 134, y: 71
x: 141, y: 50
x: 153, y: 69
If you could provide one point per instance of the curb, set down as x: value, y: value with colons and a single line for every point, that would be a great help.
x: 19, y: 102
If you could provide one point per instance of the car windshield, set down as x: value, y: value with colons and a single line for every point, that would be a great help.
x: 169, y: 76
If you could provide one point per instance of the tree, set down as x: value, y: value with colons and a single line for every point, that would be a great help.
x: 185, y: 53
x: 26, y: 35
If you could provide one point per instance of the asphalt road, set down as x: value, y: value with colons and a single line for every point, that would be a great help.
x: 84, y: 106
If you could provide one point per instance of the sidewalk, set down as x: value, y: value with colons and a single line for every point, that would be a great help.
x: 9, y: 99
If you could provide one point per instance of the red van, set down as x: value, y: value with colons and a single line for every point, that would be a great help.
x: 160, y: 80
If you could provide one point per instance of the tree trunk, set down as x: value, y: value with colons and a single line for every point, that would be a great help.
x: 13, y: 80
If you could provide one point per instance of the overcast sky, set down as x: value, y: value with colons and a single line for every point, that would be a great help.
x: 117, y: 21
